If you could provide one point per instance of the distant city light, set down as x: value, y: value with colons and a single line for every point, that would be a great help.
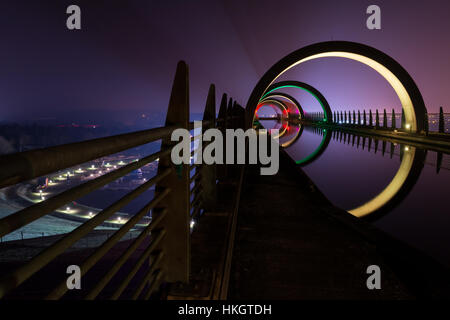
x: 68, y: 209
x: 91, y: 213
x: 40, y: 191
x: 406, y: 149
x: 119, y: 219
x: 408, y: 126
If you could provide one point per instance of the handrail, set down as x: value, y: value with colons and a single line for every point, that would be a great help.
x: 160, y: 235
x: 169, y: 229
x: 27, y: 165
x: 22, y: 273
x: 125, y: 255
x: 108, y: 244
x: 36, y: 211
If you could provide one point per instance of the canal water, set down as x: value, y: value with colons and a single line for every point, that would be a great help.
x: 353, y: 177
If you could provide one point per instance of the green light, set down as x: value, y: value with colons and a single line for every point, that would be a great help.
x: 292, y: 86
x: 314, y: 153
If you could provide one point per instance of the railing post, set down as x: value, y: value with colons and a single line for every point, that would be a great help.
x: 393, y: 120
x: 176, y: 223
x: 426, y: 124
x: 377, y: 119
x: 208, y: 174
x: 441, y: 120
x: 222, y: 168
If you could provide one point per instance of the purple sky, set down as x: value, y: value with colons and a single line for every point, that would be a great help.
x: 121, y: 64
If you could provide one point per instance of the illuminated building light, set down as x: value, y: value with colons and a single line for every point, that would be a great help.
x: 68, y: 209
x: 192, y: 224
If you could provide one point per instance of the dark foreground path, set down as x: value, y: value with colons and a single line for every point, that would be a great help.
x: 291, y: 243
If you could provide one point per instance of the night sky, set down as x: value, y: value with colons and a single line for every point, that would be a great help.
x: 121, y: 64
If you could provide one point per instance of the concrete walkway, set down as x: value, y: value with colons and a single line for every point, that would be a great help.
x: 291, y: 243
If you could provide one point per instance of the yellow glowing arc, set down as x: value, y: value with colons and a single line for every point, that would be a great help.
x: 284, y: 97
x: 391, y: 190
x: 400, y: 90
x: 283, y: 107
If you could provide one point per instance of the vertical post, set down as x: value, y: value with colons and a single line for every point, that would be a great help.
x: 438, y: 162
x: 441, y: 120
x: 354, y: 117
x: 359, y: 118
x: 176, y: 243
x: 364, y: 118
x: 385, y: 125
x: 426, y: 125
x: 403, y: 119
x: 377, y: 119
x: 370, y: 118
x: 229, y: 122
x: 222, y: 168
x: 208, y: 173
x: 393, y: 120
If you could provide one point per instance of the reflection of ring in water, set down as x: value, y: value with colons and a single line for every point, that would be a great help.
x: 297, y: 135
x: 402, y: 183
x: 407, y: 175
x: 313, y: 156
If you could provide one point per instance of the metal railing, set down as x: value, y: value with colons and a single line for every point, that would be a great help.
x: 166, y: 256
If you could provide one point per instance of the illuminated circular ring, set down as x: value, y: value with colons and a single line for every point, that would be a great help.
x: 313, y: 156
x: 287, y: 97
x: 272, y: 99
x: 402, y: 83
x: 304, y: 86
x: 405, y: 178
x: 295, y: 138
x: 283, y: 109
x: 399, y: 187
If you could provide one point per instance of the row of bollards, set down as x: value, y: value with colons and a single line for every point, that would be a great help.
x: 355, y: 118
